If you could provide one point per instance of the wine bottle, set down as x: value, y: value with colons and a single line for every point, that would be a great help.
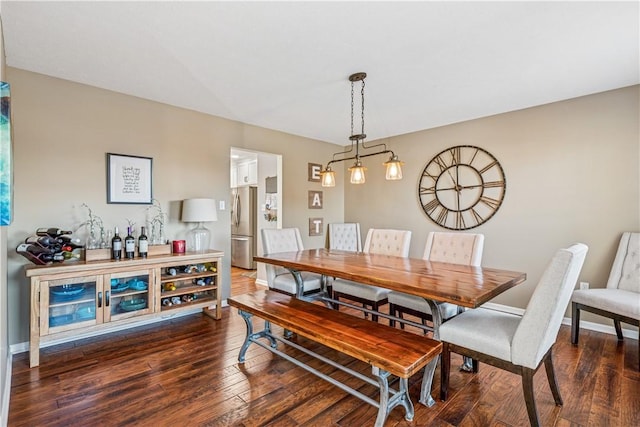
x: 34, y: 253
x: 129, y: 245
x: 143, y: 244
x: 68, y: 239
x: 67, y: 255
x: 70, y: 246
x: 116, y: 245
x: 44, y: 242
x: 52, y: 232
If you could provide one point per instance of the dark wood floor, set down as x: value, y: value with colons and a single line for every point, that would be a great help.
x: 185, y: 372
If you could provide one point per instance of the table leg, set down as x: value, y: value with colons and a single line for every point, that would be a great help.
x: 430, y: 369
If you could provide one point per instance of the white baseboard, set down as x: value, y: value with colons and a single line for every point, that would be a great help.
x: 591, y: 326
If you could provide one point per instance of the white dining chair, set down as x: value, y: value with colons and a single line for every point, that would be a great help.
x: 378, y: 241
x: 345, y: 236
x: 279, y: 278
x: 518, y: 344
x: 454, y: 248
x: 620, y: 300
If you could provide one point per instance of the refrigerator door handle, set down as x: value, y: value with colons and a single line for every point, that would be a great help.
x: 238, y: 210
x: 234, y: 209
x: 243, y: 239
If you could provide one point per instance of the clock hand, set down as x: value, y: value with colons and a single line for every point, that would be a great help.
x: 455, y: 182
x: 464, y: 187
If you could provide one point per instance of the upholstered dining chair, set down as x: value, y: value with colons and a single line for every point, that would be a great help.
x: 620, y: 300
x: 518, y: 344
x: 378, y: 241
x: 279, y: 278
x: 454, y: 248
x: 345, y: 236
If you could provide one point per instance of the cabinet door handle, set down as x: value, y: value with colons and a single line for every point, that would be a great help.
x: 99, y: 299
x: 107, y: 300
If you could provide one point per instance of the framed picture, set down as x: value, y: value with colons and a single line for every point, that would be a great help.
x: 6, y: 159
x: 129, y: 179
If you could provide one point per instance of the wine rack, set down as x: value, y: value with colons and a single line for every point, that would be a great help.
x: 75, y: 300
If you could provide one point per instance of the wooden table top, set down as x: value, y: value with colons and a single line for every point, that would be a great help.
x: 454, y: 283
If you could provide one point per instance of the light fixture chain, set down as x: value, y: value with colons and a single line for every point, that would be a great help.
x: 362, y: 111
x: 351, y: 108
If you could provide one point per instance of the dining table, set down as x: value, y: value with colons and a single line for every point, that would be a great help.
x: 436, y: 282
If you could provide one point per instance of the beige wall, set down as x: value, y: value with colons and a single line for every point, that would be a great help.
x: 573, y: 175
x: 62, y: 131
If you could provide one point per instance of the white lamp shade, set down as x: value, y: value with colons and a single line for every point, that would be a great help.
x: 199, y: 210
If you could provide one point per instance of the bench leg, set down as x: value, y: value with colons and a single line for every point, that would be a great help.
x: 251, y: 336
x: 430, y: 369
x: 386, y: 404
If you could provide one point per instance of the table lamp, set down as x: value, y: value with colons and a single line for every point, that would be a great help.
x: 200, y: 211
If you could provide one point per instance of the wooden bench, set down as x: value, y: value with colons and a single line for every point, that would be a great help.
x: 389, y: 351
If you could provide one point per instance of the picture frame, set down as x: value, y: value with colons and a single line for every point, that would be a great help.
x: 129, y: 179
x: 6, y: 156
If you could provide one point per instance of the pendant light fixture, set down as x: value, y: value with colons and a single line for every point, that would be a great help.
x: 394, y: 166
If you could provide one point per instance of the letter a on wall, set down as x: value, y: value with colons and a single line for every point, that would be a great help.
x: 315, y: 199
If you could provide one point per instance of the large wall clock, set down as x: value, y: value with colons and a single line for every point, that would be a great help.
x: 462, y: 187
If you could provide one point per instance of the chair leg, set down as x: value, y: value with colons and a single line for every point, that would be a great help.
x: 374, y: 307
x: 618, y: 327
x: 392, y: 312
x: 527, y: 388
x: 575, y: 323
x: 445, y: 368
x: 551, y: 377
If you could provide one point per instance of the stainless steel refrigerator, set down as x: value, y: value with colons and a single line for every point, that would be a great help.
x: 244, y: 226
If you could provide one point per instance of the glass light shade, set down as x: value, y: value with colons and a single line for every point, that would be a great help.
x: 394, y: 169
x: 328, y: 177
x: 357, y: 173
x: 200, y: 211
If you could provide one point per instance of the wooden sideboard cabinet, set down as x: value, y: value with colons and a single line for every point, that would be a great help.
x: 77, y: 299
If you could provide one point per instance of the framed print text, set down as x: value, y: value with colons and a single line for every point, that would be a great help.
x: 129, y: 179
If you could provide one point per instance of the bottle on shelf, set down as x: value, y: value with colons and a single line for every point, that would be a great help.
x: 143, y: 244
x: 35, y: 253
x: 44, y: 242
x: 129, y: 245
x: 116, y: 245
x: 65, y: 256
x: 51, y: 232
x: 70, y: 246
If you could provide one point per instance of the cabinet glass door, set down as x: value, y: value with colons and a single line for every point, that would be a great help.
x: 69, y: 303
x: 127, y: 294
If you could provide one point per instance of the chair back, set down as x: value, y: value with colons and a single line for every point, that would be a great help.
x: 388, y: 242
x: 625, y: 272
x: 455, y: 248
x: 279, y: 240
x: 541, y: 321
x: 345, y: 237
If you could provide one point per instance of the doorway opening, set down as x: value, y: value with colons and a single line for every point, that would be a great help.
x: 256, y: 200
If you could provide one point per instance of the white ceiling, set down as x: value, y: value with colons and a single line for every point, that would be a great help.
x: 285, y: 65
